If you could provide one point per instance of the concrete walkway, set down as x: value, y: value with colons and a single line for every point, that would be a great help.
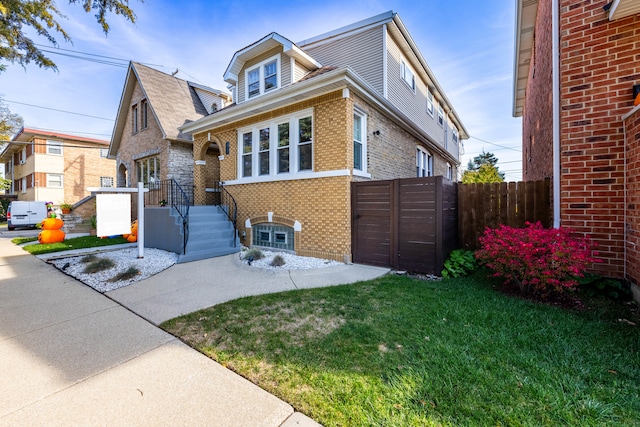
x: 72, y: 356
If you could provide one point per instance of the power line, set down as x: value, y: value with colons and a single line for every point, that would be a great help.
x: 101, y: 59
x: 497, y: 145
x: 60, y: 111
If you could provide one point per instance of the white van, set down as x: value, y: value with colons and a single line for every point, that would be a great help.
x: 25, y: 214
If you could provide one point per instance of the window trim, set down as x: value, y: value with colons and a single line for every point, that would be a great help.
x: 440, y: 116
x: 423, y: 155
x: 403, y: 75
x: 54, y: 143
x: 156, y: 170
x: 134, y: 119
x: 106, y: 178
x: 294, y: 147
x: 50, y: 175
x: 430, y: 107
x: 363, y: 136
x: 454, y: 134
x: 449, y: 172
x: 144, y: 114
x: 260, y: 67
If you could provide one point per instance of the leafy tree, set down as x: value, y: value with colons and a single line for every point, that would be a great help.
x: 41, y: 16
x: 482, y: 159
x: 485, y: 174
x: 9, y: 123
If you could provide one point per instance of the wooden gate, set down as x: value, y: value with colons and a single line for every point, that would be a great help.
x: 407, y: 224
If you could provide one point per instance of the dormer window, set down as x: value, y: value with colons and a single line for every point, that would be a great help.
x: 263, y: 77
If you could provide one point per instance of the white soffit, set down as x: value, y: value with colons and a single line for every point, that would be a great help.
x: 526, y: 13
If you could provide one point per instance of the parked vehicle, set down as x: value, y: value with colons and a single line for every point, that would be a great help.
x: 25, y: 214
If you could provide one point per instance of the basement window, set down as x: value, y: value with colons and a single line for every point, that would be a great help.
x: 273, y: 236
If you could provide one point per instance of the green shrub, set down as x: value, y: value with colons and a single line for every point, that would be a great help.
x: 254, y: 254
x: 277, y: 261
x: 593, y: 284
x: 128, y: 274
x: 99, y: 264
x: 88, y: 258
x: 460, y: 263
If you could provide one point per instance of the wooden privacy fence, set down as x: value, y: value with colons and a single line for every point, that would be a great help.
x: 407, y: 224
x: 489, y: 205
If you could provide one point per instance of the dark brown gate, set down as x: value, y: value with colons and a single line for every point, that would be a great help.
x: 407, y: 224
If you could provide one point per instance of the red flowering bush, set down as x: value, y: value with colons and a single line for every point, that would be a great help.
x: 536, y: 259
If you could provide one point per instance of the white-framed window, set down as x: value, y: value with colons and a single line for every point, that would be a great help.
x: 281, y: 146
x: 148, y: 170
x: 23, y: 155
x: 424, y: 163
x: 23, y: 184
x: 55, y: 180
x: 106, y: 181
x: 440, y: 116
x: 454, y: 135
x: 134, y: 118
x: 54, y: 148
x: 449, y: 172
x: 429, y: 103
x: 104, y: 152
x: 359, y: 141
x: 408, y: 76
x: 263, y: 77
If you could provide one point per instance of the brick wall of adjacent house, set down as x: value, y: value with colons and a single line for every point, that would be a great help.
x: 632, y: 136
x: 147, y: 142
x: 537, y: 129
x: 84, y: 167
x: 599, y: 66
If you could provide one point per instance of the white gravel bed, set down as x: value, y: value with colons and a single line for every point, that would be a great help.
x: 154, y: 261
x: 292, y: 262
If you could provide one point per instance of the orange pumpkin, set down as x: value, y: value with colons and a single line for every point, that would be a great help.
x: 637, y: 100
x: 52, y: 224
x: 132, y: 239
x: 51, y: 236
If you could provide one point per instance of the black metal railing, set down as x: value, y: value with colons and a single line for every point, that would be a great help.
x: 169, y: 193
x: 230, y: 207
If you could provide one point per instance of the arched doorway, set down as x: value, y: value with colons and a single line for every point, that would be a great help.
x: 122, y: 179
x: 212, y: 173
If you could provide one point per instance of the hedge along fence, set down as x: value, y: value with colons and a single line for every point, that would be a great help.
x: 512, y: 204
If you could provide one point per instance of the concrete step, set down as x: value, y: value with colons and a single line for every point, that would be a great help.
x: 208, y: 253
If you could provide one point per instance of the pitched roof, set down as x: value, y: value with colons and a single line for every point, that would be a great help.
x: 172, y: 101
x: 26, y: 134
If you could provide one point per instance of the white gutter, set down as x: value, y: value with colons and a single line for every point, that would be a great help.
x: 555, y: 75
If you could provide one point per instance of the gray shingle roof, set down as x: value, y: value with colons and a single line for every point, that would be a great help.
x: 173, y: 101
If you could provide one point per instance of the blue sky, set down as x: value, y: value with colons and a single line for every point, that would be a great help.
x: 468, y: 45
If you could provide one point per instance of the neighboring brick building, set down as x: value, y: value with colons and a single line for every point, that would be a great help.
x: 55, y: 167
x: 597, y: 164
x: 358, y: 103
x: 146, y: 142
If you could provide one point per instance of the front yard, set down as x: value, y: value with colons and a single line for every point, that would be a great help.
x: 399, y: 351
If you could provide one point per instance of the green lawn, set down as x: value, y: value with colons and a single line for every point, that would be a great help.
x: 68, y: 244
x: 403, y: 352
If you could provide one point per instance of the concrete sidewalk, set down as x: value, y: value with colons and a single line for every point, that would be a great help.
x: 72, y: 356
x: 185, y: 288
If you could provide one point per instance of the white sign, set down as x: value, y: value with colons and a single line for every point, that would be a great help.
x: 113, y: 214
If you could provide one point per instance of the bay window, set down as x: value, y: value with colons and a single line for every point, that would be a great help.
x: 283, y: 146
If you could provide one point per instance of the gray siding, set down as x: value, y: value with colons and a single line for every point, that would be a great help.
x: 414, y: 105
x: 299, y: 72
x: 363, y: 52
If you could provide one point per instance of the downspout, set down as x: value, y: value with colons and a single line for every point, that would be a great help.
x: 555, y: 76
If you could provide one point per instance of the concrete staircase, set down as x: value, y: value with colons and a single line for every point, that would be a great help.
x: 211, y: 234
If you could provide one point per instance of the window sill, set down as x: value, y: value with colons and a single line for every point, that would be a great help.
x: 361, y: 174
x: 289, y: 177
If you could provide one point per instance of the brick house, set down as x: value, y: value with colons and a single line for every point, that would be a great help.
x: 146, y: 143
x: 576, y: 69
x: 357, y: 103
x: 55, y: 167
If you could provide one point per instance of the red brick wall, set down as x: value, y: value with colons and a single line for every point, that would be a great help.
x: 599, y: 66
x: 632, y: 126
x: 537, y: 119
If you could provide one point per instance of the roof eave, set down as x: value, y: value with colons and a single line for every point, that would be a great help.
x: 525, y: 18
